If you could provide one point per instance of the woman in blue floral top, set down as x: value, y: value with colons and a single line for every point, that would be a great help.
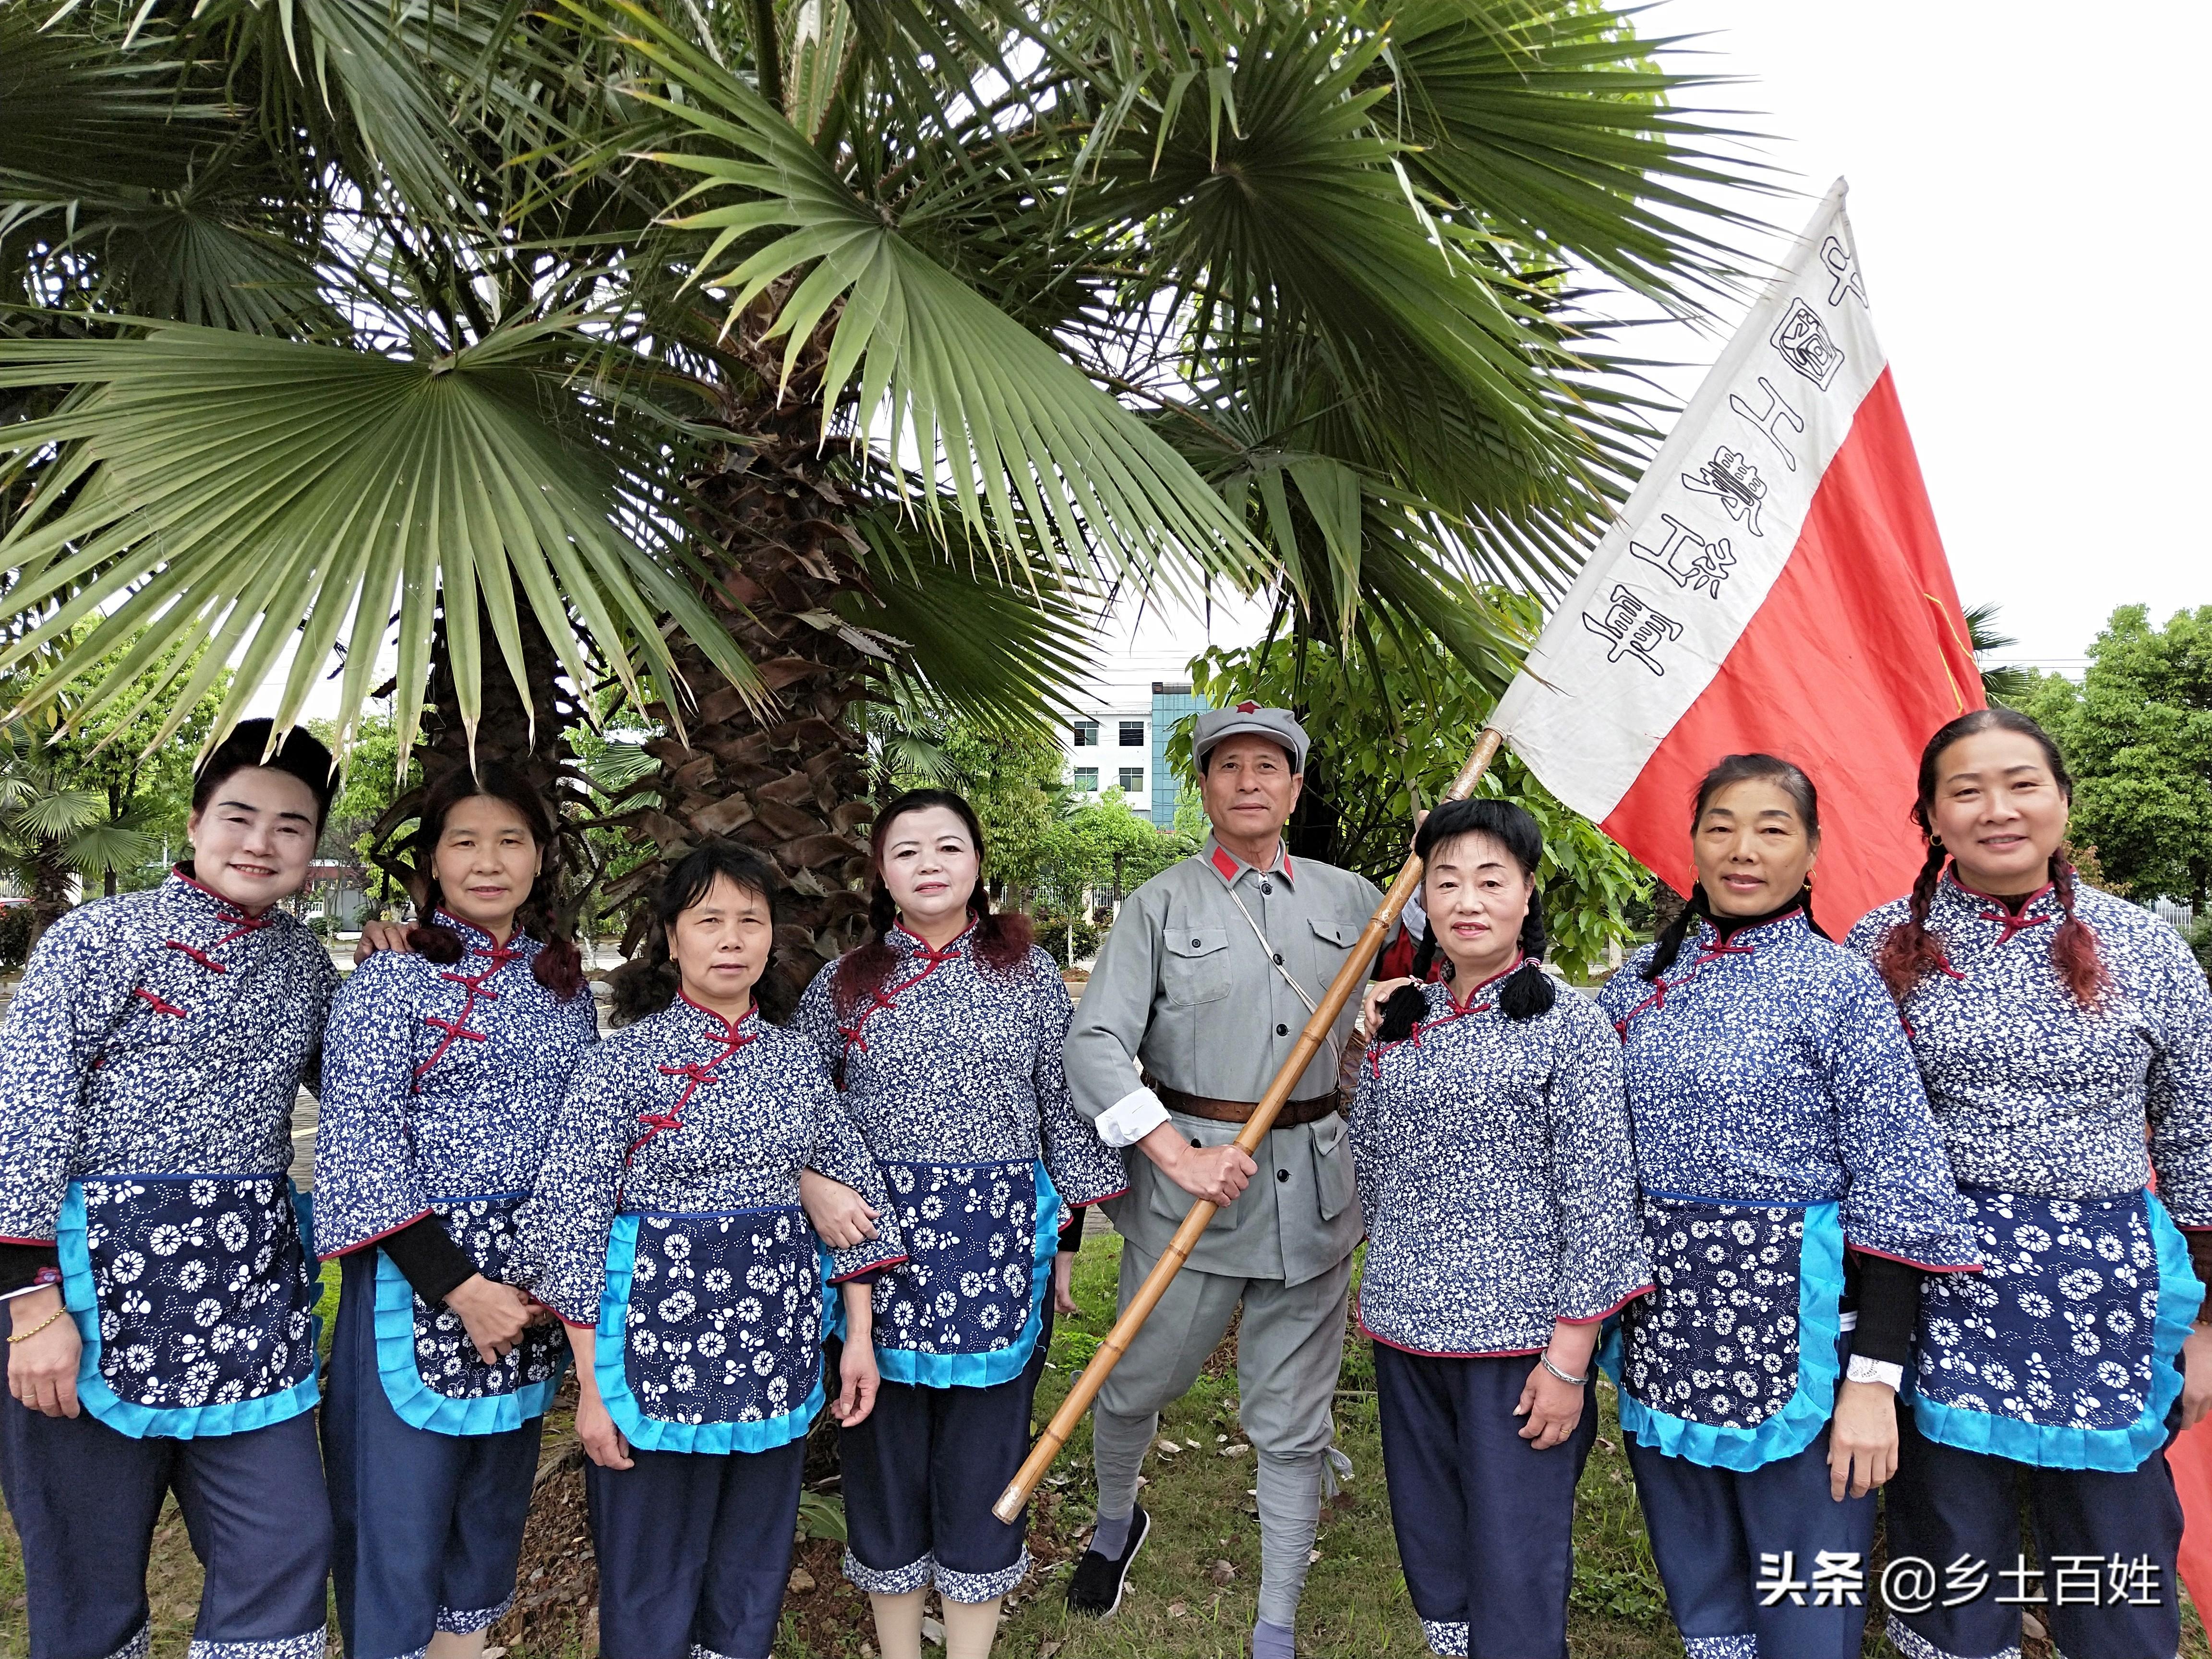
x: 944, y: 1032
x: 2055, y: 1025
x: 155, y: 1277
x: 666, y: 1230
x: 1497, y: 1179
x: 443, y: 1069
x: 1780, y: 1121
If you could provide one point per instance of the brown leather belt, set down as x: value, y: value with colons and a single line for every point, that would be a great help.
x: 1294, y: 1112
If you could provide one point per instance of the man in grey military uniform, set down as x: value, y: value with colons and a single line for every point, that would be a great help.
x: 1201, y: 991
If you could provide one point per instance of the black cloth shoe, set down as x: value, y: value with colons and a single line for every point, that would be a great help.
x: 1096, y: 1589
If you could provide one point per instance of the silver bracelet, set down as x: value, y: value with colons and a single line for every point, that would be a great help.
x: 1545, y: 1360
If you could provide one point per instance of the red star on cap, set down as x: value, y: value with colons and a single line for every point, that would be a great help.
x: 1248, y: 707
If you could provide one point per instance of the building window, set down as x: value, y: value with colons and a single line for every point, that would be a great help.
x: 1086, y: 734
x: 1133, y: 734
x: 1133, y: 779
x: 1086, y: 780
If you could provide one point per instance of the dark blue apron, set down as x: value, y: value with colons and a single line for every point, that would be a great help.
x: 710, y: 1329
x: 2063, y: 1351
x: 432, y: 1373
x: 965, y: 1308
x: 1731, y: 1363
x: 194, y: 1299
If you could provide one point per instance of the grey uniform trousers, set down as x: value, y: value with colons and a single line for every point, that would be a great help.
x: 1290, y: 1350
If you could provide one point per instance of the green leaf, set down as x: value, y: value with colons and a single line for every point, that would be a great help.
x: 255, y: 495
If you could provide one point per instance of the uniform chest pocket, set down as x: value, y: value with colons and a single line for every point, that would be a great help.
x: 1339, y: 936
x: 1196, y: 966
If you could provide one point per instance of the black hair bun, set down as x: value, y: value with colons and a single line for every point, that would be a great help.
x: 1402, y: 1011
x: 1528, y: 992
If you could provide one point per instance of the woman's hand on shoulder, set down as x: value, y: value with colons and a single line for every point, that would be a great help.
x: 1370, y: 1006
x: 377, y: 936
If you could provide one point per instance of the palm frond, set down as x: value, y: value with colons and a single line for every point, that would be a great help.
x: 259, y: 495
x: 1015, y: 435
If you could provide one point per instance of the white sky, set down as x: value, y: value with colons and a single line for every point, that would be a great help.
x: 2027, y: 194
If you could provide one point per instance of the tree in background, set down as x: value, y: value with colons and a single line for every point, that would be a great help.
x: 88, y: 796
x: 2137, y: 735
x: 749, y: 355
x: 1381, y: 751
x: 2002, y: 683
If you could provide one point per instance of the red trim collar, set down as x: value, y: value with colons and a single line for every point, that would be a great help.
x: 1228, y: 866
x: 1459, y: 1003
x: 237, y: 912
x: 470, y: 933
x: 730, y: 1028
x: 923, y: 947
x: 1994, y: 909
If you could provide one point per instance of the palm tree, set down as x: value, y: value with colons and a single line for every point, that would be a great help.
x: 756, y: 361
x: 2002, y: 683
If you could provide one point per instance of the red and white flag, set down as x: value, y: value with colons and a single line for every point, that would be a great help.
x: 1775, y: 583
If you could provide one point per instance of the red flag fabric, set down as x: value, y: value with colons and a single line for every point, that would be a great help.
x: 1775, y: 583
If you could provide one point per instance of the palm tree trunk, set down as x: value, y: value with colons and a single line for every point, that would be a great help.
x: 49, y: 895
x: 789, y: 780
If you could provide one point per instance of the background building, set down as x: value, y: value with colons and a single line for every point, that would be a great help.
x: 1118, y: 723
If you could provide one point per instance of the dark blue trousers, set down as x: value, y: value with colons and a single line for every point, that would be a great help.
x: 1709, y: 1527
x: 920, y: 1476
x: 429, y: 1527
x: 1485, y: 1521
x: 1946, y: 1504
x: 694, y: 1551
x: 85, y: 1498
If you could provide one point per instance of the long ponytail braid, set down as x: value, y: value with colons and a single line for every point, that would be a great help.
x: 1527, y: 990
x: 1909, y: 952
x: 1403, y: 1008
x: 1669, y: 944
x: 2073, y: 947
x: 861, y: 972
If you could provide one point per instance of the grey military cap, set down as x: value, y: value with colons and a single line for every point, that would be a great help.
x: 1248, y: 719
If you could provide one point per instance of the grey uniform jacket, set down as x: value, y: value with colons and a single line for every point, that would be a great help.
x: 1183, y: 986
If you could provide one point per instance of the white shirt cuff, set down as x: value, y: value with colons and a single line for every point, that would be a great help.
x: 1131, y: 1118
x: 1864, y: 1370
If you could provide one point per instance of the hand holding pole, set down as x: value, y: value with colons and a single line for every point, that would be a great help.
x: 1008, y: 1508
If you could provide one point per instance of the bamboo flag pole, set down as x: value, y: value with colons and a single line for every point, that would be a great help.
x: 1008, y: 1508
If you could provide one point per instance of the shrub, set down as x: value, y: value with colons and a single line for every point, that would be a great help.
x: 15, y: 935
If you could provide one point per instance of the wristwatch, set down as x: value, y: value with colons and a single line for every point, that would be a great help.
x: 1864, y: 1370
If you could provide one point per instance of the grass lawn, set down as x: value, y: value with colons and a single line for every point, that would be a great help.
x: 1191, y: 1596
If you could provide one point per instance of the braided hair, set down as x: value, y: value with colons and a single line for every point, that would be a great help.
x: 1785, y: 775
x: 559, y: 966
x: 1528, y: 990
x: 1909, y: 950
x: 1002, y: 938
x: 655, y: 985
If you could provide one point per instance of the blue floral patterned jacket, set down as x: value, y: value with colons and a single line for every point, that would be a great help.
x: 439, y: 1083
x: 2034, y: 1094
x: 161, y: 1032
x: 1771, y: 1068
x: 685, y: 1113
x: 952, y: 1062
x: 1497, y: 1177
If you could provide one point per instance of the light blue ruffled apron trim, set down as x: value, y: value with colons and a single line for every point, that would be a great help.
x: 1807, y: 1411
x: 984, y: 1371
x: 2059, y: 1446
x: 658, y: 1434
x: 127, y: 1416
x: 418, y: 1404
